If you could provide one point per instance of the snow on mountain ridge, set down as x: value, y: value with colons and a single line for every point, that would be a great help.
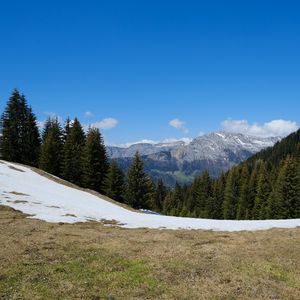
x: 208, y: 146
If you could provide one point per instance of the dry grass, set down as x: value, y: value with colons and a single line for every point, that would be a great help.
x: 39, y: 260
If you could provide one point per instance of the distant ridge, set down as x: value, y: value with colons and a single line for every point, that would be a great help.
x: 181, y: 161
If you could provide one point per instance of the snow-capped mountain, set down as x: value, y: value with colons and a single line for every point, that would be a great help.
x: 182, y: 161
x: 143, y: 149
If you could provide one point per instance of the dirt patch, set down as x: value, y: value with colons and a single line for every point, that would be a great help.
x: 70, y: 215
x: 18, y: 194
x: 19, y: 201
x: 16, y: 169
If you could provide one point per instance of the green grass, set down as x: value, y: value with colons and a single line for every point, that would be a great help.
x: 93, y: 273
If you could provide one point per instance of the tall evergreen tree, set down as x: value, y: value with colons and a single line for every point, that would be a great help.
x: 31, y: 139
x: 218, y: 197
x: 67, y: 128
x: 251, y: 192
x: 243, y: 193
x: 286, y: 196
x: 139, y: 192
x: 72, y: 164
x: 203, y: 192
x: 52, y: 146
x: 169, y: 204
x: 20, y: 136
x: 231, y: 195
x: 95, y: 161
x: 262, y: 194
x: 114, y: 183
x: 160, y: 194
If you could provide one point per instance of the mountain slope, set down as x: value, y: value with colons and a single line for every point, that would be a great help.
x: 45, y: 199
x: 179, y: 161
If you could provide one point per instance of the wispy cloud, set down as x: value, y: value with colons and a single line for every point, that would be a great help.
x: 272, y: 128
x: 88, y: 114
x: 178, y: 124
x: 107, y: 123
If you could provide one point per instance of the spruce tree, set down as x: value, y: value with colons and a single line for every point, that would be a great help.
x: 262, y: 194
x: 203, y: 191
x: 218, y: 197
x: 251, y: 192
x: 286, y: 202
x: 231, y: 195
x: 169, y: 203
x: 243, y: 193
x: 114, y: 183
x: 160, y: 194
x: 31, y: 140
x: 46, y: 128
x: 178, y: 198
x: 67, y: 128
x: 95, y: 161
x: 52, y: 146
x: 139, y: 192
x: 72, y: 164
x: 20, y: 136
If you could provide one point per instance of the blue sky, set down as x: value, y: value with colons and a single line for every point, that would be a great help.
x: 139, y: 66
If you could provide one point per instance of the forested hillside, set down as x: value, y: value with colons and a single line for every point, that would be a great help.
x: 267, y: 185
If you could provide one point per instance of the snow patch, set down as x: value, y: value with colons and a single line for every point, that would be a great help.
x: 50, y: 201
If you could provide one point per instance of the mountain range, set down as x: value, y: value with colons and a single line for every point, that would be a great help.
x: 181, y: 161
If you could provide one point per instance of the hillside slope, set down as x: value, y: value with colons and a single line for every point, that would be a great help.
x: 45, y: 199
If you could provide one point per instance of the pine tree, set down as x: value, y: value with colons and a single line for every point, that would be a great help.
x: 200, y: 199
x: 243, y: 193
x: 20, y: 136
x: 272, y: 210
x: 286, y: 195
x: 139, y: 192
x: 178, y: 198
x: 231, y: 195
x: 169, y: 203
x: 46, y: 128
x: 52, y: 146
x: 95, y: 161
x: 72, y: 169
x: 251, y: 192
x: 67, y: 128
x: 160, y: 194
x: 114, y: 183
x: 31, y: 140
x: 218, y: 197
x: 262, y: 194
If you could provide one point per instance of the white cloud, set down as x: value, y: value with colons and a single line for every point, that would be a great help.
x: 178, y: 124
x: 186, y: 140
x: 106, y: 123
x: 272, y: 128
x: 88, y: 114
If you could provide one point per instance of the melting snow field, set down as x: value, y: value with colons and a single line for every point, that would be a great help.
x: 44, y: 199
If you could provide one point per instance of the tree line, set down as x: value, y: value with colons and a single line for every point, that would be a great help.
x: 70, y: 153
x: 265, y: 186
